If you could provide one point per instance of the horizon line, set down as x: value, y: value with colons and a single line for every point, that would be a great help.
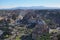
x: 8, y: 7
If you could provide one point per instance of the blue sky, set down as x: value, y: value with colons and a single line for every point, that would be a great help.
x: 28, y: 3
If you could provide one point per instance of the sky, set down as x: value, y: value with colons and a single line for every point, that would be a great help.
x: 29, y: 3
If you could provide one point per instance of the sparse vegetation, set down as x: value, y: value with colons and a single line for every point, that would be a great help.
x: 34, y: 24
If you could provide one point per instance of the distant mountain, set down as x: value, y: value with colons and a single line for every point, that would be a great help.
x: 34, y: 7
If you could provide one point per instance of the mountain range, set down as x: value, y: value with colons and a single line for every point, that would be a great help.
x: 33, y: 7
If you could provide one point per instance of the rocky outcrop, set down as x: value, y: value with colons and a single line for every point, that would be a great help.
x: 40, y: 29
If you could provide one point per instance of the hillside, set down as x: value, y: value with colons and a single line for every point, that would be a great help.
x: 28, y: 24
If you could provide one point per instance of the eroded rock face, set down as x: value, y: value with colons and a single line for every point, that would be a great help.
x: 40, y: 29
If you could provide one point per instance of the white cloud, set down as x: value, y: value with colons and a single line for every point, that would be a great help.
x: 4, y: 7
x: 52, y: 5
